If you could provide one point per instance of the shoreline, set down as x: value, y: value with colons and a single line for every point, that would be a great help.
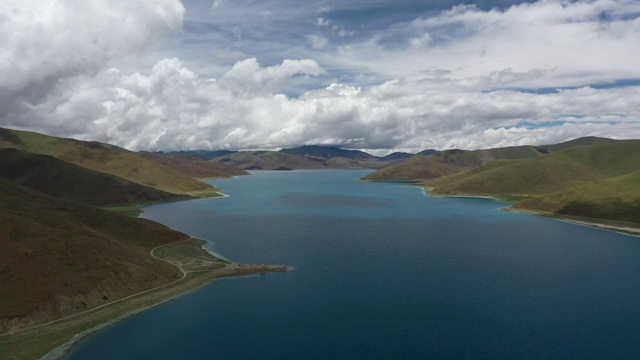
x: 57, y: 338
x: 626, y: 230
x: 592, y: 223
x: 67, y: 347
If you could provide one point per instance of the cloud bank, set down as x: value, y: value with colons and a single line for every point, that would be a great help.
x: 463, y: 78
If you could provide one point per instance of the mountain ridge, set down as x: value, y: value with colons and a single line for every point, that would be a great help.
x: 59, y: 178
x: 108, y: 159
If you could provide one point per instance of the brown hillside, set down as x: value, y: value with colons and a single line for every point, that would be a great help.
x: 193, y: 166
x: 58, y: 257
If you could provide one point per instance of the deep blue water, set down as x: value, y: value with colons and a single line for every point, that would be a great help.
x: 383, y: 271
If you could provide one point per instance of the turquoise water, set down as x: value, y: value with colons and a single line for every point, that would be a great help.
x: 383, y: 271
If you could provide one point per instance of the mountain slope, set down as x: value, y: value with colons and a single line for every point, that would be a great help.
x: 59, y: 257
x: 598, y: 182
x: 329, y: 152
x: 567, y: 168
x: 107, y: 159
x: 616, y: 198
x: 59, y: 178
x: 193, y: 166
x: 272, y: 160
x: 200, y: 154
x: 442, y: 163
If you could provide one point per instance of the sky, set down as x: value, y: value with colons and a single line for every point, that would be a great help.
x: 375, y: 75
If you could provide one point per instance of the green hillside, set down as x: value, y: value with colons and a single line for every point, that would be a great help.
x: 447, y: 162
x: 443, y: 163
x: 568, y: 168
x: 59, y: 178
x: 598, y: 182
x: 107, y: 159
x: 616, y: 198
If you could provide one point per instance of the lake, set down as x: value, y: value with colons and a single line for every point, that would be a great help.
x: 383, y: 271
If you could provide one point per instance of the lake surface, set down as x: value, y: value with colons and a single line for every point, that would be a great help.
x: 383, y: 271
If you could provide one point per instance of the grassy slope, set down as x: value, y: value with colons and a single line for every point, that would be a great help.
x: 443, y: 163
x: 193, y: 166
x: 616, y: 198
x: 568, y: 168
x: 108, y: 159
x: 59, y: 178
x: 594, y: 181
x: 59, y: 257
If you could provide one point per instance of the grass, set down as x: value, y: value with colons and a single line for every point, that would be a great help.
x: 65, y: 180
x: 615, y: 198
x: 555, y: 172
x: 444, y: 163
x: 106, y: 159
x: 596, y: 182
x: 130, y: 211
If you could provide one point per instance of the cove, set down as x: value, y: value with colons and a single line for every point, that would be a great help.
x: 383, y: 271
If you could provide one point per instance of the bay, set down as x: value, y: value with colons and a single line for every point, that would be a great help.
x: 383, y: 271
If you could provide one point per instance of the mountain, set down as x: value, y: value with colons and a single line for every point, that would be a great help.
x: 193, y: 166
x: 330, y: 152
x: 276, y: 160
x: 616, y: 199
x: 200, y: 154
x: 309, y: 157
x: 398, y: 156
x: 429, y: 165
x: 107, y: 159
x: 427, y: 152
x: 59, y: 178
x: 593, y: 181
x: 583, y: 141
x: 59, y: 256
x: 442, y: 163
x: 571, y: 167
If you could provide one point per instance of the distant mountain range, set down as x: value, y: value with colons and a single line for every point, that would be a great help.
x: 593, y: 178
x: 303, y: 157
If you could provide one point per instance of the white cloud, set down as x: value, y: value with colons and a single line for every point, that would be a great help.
x: 43, y: 40
x: 172, y: 108
x: 322, y: 22
x: 318, y: 42
x: 248, y: 77
x: 570, y: 43
x: 453, y: 83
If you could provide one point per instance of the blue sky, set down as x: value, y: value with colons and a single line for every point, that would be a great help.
x: 375, y: 75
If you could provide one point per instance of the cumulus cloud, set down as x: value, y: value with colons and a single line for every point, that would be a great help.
x: 43, y: 42
x: 173, y: 108
x: 452, y: 87
x: 248, y: 77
